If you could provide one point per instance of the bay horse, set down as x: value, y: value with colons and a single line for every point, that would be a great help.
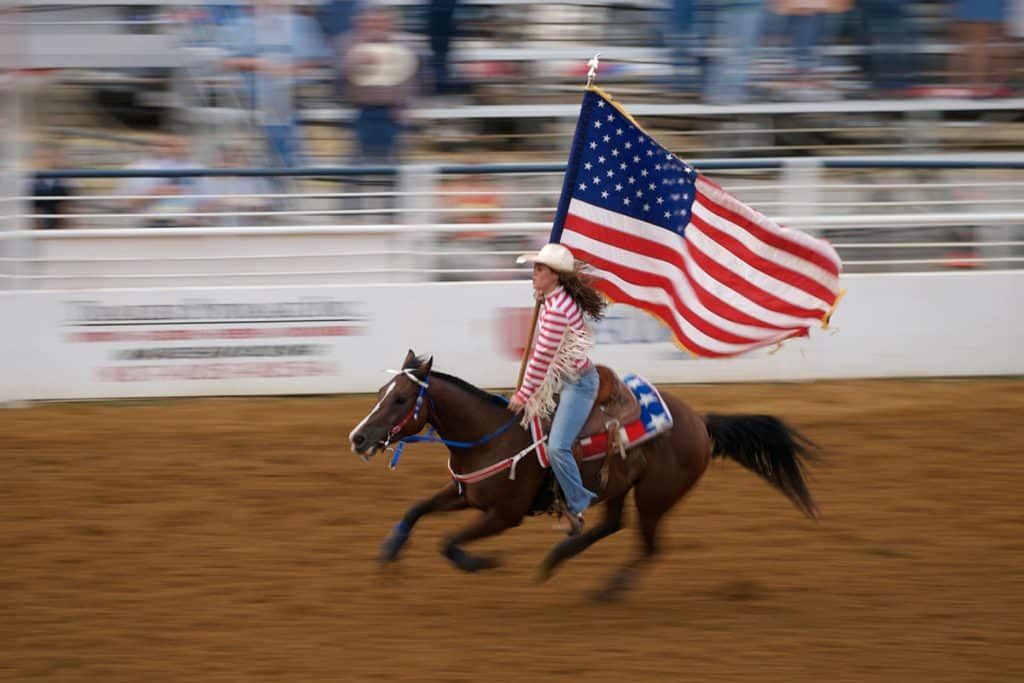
x: 481, y: 432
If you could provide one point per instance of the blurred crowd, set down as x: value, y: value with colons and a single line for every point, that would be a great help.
x: 977, y: 54
x: 384, y: 59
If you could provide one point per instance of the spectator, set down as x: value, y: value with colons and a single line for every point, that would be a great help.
x: 687, y: 26
x: 49, y: 195
x: 977, y: 28
x: 737, y: 34
x: 167, y: 198
x: 889, y: 39
x: 441, y: 30
x: 275, y: 46
x: 239, y: 194
x: 810, y: 24
x: 378, y: 70
x: 335, y: 17
x: 477, y: 200
x: 1015, y: 29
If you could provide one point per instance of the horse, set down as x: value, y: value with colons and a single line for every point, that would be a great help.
x: 482, y: 434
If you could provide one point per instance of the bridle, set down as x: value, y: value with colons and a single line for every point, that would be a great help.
x: 414, y: 412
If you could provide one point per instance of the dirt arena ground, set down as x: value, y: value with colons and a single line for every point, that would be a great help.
x: 235, y: 540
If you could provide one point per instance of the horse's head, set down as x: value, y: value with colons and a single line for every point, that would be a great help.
x: 401, y: 409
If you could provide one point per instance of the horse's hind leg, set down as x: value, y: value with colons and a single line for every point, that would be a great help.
x: 654, y: 497
x: 570, y: 547
x: 625, y: 576
x: 447, y: 499
x: 489, y: 523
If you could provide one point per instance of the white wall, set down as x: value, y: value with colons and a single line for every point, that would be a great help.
x: 225, y: 341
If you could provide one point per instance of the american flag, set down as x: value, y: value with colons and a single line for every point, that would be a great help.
x: 661, y: 236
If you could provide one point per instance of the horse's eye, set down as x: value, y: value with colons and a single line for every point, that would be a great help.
x: 401, y: 400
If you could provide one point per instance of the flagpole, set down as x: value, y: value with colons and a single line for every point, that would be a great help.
x: 529, y: 344
x: 592, y: 66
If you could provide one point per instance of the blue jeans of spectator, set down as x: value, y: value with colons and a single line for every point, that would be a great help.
x: 681, y: 35
x: 890, y: 38
x: 377, y: 131
x: 283, y: 144
x: 577, y: 398
x: 738, y: 32
x: 807, y: 31
x: 441, y: 29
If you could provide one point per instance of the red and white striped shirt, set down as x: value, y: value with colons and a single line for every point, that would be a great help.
x: 558, y: 313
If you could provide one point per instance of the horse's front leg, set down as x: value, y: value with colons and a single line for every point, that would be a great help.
x: 446, y: 500
x: 491, y: 522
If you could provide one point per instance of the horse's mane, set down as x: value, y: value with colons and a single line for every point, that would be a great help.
x: 419, y: 361
x: 469, y: 388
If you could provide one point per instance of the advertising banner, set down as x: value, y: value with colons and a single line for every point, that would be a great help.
x: 302, y: 340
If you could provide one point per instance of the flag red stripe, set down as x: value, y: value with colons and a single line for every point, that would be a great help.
x: 773, y: 238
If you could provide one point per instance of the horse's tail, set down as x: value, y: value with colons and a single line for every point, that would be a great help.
x: 764, y: 444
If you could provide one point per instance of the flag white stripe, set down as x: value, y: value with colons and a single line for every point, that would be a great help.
x: 782, y: 257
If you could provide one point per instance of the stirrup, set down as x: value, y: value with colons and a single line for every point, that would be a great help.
x: 571, y: 524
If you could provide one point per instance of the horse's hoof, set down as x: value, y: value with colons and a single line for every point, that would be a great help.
x: 607, y: 595
x: 482, y: 563
x: 615, y: 588
x: 477, y: 564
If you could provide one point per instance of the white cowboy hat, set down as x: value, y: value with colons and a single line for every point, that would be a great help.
x: 554, y: 256
x: 382, y: 65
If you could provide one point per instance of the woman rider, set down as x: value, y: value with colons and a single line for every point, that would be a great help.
x: 559, y: 363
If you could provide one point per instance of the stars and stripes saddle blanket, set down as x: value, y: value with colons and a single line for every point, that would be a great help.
x: 632, y: 405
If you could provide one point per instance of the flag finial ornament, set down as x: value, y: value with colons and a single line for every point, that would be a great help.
x: 592, y: 69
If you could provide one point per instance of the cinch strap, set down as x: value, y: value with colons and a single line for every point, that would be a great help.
x: 489, y: 471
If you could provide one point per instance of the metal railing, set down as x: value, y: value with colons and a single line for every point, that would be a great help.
x: 458, y: 222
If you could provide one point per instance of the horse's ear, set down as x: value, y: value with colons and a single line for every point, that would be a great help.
x: 409, y: 358
x: 424, y: 368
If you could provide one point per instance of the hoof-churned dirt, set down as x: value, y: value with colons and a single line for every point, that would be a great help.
x: 235, y: 540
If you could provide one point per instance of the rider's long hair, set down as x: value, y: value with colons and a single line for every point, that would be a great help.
x: 580, y: 287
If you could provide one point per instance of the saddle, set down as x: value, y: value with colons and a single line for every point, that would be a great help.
x: 626, y: 413
x: 615, y: 406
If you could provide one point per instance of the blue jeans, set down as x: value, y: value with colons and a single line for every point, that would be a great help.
x: 738, y: 31
x: 891, y: 61
x: 283, y: 144
x: 685, y: 27
x: 574, y: 406
x: 377, y: 133
x: 807, y: 31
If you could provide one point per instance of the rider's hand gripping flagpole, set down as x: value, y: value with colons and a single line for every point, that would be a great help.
x: 568, y: 182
